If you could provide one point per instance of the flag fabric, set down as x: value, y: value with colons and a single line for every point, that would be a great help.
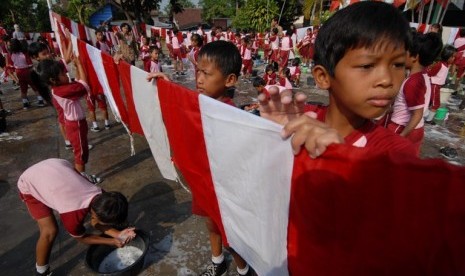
x: 210, y: 141
x: 124, y: 70
x: 147, y: 105
x: 349, y: 212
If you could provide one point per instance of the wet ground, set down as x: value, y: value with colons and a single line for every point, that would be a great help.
x: 178, y: 240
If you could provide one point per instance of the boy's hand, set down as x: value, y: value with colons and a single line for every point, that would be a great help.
x: 281, y: 107
x: 316, y: 136
x: 156, y: 75
x: 127, y: 235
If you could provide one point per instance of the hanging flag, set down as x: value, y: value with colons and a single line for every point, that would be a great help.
x: 147, y: 106
x: 348, y: 212
x: 124, y: 70
x: 210, y: 140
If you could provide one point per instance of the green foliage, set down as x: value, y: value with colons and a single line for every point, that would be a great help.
x: 256, y: 15
x: 81, y: 10
x: 31, y: 15
x: 183, y: 3
x: 325, y: 16
x: 218, y: 9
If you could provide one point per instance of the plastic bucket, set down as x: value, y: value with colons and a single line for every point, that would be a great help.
x: 441, y: 113
x: 445, y: 94
x: 97, y: 253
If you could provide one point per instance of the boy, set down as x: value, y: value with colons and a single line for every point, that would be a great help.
x: 39, y: 52
x: 362, y: 64
x: 218, y: 68
x: 102, y: 44
x: 154, y: 64
x: 68, y: 95
x: 438, y: 73
x: 413, y: 98
x: 53, y: 184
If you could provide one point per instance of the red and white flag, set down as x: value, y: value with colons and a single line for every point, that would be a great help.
x: 349, y: 212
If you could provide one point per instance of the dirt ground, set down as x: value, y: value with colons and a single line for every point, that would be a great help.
x: 178, y: 240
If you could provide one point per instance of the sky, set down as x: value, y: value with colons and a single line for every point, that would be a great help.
x: 165, y: 2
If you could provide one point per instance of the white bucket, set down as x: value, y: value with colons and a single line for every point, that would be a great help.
x: 445, y: 95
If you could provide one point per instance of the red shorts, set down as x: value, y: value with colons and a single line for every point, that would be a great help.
x: 24, y: 78
x: 76, y: 132
x: 284, y: 55
x: 275, y: 55
x: 99, y: 98
x: 36, y: 209
x: 247, y: 66
x: 177, y: 55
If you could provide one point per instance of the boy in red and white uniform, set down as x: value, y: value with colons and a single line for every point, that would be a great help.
x: 155, y: 65
x: 246, y: 55
x: 415, y: 92
x: 438, y: 73
x: 177, y: 43
x: 68, y: 95
x: 295, y: 72
x: 274, y: 42
x: 230, y: 36
x: 459, y: 44
x: 53, y: 184
x: 102, y: 43
x: 286, y: 48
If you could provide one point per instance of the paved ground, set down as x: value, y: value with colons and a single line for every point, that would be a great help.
x: 178, y: 243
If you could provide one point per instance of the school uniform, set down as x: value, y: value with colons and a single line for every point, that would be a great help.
x: 438, y: 73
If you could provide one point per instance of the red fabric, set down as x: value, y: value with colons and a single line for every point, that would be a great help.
x: 92, y: 79
x: 421, y: 28
x: 398, y: 3
x: 435, y: 96
x: 347, y: 220
x: 65, y: 21
x: 415, y: 136
x: 183, y: 131
x: 124, y: 69
x: 82, y: 32
x: 113, y: 77
x: 334, y: 5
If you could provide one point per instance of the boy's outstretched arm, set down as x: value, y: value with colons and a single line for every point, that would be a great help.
x: 80, y: 71
x: 116, y: 238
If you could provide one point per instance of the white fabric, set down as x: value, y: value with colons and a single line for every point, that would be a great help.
x: 148, y: 110
x: 75, y: 30
x: 231, y: 136
x: 96, y: 58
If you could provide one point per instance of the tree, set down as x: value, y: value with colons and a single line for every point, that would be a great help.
x: 183, y: 3
x: 256, y: 15
x: 219, y: 8
x: 81, y: 10
x: 31, y: 15
x: 137, y: 9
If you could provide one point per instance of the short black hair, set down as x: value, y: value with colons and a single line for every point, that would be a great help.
x: 224, y: 54
x: 49, y: 69
x: 447, y: 52
x: 258, y: 82
x: 110, y: 207
x: 360, y: 25
x: 125, y: 25
x: 426, y: 46
x: 198, y: 38
x: 295, y: 61
x: 35, y: 48
x: 16, y: 46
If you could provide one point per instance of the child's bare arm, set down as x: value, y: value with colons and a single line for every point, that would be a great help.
x: 415, y: 118
x: 119, y: 240
x: 156, y: 75
x: 80, y: 71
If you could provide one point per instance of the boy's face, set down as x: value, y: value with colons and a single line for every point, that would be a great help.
x: 154, y: 55
x: 62, y: 78
x: 366, y: 80
x: 99, y: 36
x: 210, y: 80
x: 43, y: 55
